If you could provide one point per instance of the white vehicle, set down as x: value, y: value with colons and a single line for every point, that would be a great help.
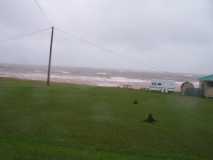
x: 163, y: 86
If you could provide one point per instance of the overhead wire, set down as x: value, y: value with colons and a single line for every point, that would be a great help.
x: 117, y: 54
x: 72, y: 36
x: 21, y: 36
x: 36, y: 2
x: 106, y: 50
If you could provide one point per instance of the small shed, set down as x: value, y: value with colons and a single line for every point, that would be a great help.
x: 206, y: 85
x: 187, y: 88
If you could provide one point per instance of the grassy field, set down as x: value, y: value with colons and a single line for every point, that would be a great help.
x: 66, y: 122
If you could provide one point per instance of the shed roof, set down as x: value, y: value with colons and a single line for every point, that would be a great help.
x: 207, y: 78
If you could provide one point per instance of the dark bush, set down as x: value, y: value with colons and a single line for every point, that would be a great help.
x: 135, y: 102
x: 150, y: 119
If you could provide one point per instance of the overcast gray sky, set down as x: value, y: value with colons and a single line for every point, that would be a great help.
x: 160, y: 35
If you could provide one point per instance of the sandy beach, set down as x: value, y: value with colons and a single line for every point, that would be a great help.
x: 93, y: 77
x: 121, y: 82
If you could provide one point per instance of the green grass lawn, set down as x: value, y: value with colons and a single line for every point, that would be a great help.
x: 65, y: 122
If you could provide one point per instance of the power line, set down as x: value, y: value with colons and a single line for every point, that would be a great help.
x: 106, y: 50
x: 72, y: 35
x: 42, y: 11
x: 17, y: 37
x: 87, y: 41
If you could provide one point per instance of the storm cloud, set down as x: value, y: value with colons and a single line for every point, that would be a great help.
x: 159, y: 35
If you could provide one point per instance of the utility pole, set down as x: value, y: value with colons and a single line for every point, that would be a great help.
x: 50, y: 57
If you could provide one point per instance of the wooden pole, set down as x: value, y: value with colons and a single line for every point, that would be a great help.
x: 50, y: 57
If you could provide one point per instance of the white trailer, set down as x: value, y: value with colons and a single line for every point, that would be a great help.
x: 164, y: 86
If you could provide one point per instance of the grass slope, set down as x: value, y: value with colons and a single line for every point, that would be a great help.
x: 79, y: 122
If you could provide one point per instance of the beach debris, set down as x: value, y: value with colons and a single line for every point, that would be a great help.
x: 150, y: 119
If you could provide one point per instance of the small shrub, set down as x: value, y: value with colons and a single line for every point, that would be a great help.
x: 135, y: 102
x: 150, y: 119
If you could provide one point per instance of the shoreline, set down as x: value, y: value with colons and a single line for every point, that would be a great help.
x: 120, y: 82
